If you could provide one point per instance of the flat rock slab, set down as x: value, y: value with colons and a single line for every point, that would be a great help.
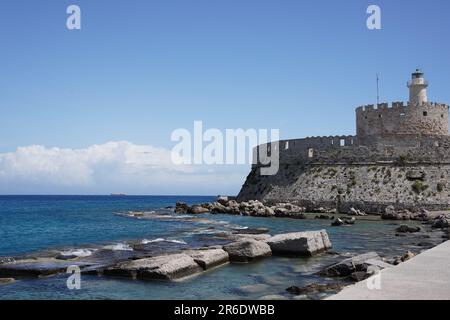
x: 354, y: 264
x: 257, y: 237
x: 168, y: 267
x: 244, y: 251
x: 37, y: 268
x: 209, y: 258
x: 306, y: 243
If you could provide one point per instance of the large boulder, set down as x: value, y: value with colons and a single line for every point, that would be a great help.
x: 223, y: 200
x: 181, y: 208
x: 209, y: 258
x: 247, y: 250
x: 288, y: 210
x: 197, y: 209
x: 441, y: 222
x: 306, y: 243
x: 168, y: 267
x: 391, y: 213
x: 360, y: 263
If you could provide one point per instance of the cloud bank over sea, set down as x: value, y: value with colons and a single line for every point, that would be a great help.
x: 116, y: 166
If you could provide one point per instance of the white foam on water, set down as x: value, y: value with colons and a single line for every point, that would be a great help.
x: 145, y: 241
x: 77, y: 252
x: 119, y: 247
x: 239, y: 228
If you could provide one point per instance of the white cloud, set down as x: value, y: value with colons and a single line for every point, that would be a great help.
x: 110, y: 167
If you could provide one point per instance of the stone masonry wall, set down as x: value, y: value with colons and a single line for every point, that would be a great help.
x: 370, y: 188
x: 427, y: 119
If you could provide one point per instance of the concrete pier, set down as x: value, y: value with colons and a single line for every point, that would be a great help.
x: 425, y: 277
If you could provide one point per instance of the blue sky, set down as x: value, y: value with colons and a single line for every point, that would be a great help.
x: 137, y: 70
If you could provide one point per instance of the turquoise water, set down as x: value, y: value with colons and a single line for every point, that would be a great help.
x: 37, y: 223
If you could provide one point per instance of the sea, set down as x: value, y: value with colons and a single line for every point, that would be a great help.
x: 34, y: 226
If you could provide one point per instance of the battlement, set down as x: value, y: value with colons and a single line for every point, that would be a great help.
x: 426, y: 118
x: 398, y: 105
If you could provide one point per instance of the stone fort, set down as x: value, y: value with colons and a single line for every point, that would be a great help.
x: 406, y: 137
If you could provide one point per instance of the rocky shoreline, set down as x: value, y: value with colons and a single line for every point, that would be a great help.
x: 238, y: 246
x: 177, y: 265
x: 255, y: 208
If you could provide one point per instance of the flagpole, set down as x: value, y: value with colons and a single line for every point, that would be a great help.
x: 378, y: 90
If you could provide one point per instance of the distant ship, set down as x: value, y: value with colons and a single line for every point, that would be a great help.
x: 118, y: 195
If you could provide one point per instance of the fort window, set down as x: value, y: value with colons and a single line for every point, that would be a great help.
x: 287, y: 145
x: 310, y: 153
x: 380, y: 116
x: 425, y: 113
x: 342, y: 142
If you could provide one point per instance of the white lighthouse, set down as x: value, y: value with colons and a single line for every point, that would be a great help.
x: 418, y: 88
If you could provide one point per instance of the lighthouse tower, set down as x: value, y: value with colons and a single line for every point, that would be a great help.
x: 418, y: 88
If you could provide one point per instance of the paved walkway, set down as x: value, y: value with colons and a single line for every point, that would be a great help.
x: 425, y: 277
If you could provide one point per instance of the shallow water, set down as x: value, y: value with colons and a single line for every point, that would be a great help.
x: 75, y: 224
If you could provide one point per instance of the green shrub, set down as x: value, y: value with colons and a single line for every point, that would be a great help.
x: 419, y: 187
x: 402, y: 160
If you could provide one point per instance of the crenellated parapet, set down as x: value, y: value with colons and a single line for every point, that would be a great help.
x: 402, y: 118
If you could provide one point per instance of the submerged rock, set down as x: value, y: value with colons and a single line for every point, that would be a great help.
x: 360, y: 263
x: 208, y: 258
x: 441, y: 222
x: 337, y: 223
x: 407, y: 229
x: 247, y: 250
x: 273, y: 297
x: 252, y: 231
x: 168, y: 267
x: 306, y: 243
x: 316, y: 288
x: 342, y: 221
x: 407, y: 256
x: 38, y: 267
x: 350, y: 221
x: 5, y: 281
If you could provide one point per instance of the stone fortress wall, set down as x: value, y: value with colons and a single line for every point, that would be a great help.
x: 399, y: 118
x: 353, y: 150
